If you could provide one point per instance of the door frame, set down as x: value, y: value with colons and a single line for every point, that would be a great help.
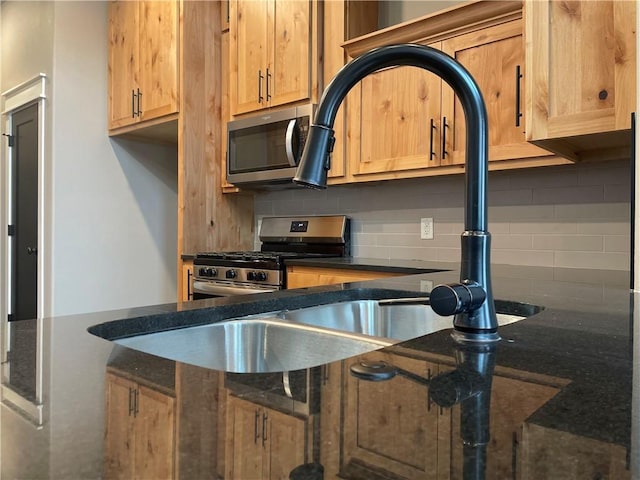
x: 32, y: 91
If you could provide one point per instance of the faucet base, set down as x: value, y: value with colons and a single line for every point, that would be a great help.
x: 475, y: 337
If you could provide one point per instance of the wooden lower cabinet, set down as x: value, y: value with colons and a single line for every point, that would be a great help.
x: 185, y: 288
x: 556, y: 455
x: 302, y: 276
x: 140, y: 431
x: 515, y: 400
x: 262, y: 443
x: 391, y: 429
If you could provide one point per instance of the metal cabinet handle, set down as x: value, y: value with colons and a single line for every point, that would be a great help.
x: 136, y: 402
x: 518, y: 112
x: 256, y: 435
x: 189, y: 292
x: 268, y: 88
x: 139, y: 102
x: 429, y: 396
x: 431, y: 152
x: 264, y: 428
x: 130, y: 401
x: 133, y: 103
x: 260, y: 77
x: 445, y: 125
x: 32, y: 250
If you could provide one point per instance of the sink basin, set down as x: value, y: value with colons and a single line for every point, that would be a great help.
x: 254, y: 345
x: 395, y: 322
x: 297, y: 339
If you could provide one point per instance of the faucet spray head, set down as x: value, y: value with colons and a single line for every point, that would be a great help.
x: 316, y: 158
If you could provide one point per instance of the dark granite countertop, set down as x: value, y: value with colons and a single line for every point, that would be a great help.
x: 559, y: 394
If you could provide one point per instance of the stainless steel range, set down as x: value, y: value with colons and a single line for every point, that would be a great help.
x: 221, y: 274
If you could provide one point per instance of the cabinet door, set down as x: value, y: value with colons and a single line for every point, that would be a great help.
x: 123, y: 62
x: 516, y: 400
x: 300, y: 277
x: 397, y: 112
x: 249, y: 31
x: 495, y: 58
x: 158, y: 58
x: 119, y: 434
x: 244, y: 453
x: 286, y: 440
x: 391, y: 425
x: 155, y: 434
x: 187, y: 273
x: 288, y: 78
x: 581, y: 56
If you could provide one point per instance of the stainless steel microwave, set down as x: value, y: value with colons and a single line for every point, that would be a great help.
x: 265, y: 149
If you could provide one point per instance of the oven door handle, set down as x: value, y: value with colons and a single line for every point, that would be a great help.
x: 222, y: 290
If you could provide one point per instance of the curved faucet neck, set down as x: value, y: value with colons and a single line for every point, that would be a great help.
x: 463, y: 84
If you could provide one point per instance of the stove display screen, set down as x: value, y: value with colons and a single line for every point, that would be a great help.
x: 298, y: 226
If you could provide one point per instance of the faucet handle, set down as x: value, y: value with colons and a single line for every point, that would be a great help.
x: 447, y: 300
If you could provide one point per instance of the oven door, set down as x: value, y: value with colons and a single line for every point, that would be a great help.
x: 212, y: 289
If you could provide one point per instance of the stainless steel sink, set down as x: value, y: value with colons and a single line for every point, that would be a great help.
x: 254, y: 345
x: 372, y: 318
x: 296, y: 339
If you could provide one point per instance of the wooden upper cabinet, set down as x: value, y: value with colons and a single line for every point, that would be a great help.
x: 270, y: 53
x: 143, y: 61
x: 123, y: 62
x: 582, y: 59
x: 399, y: 121
x: 495, y: 58
x: 158, y: 63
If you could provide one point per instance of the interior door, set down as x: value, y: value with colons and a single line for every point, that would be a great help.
x: 24, y: 241
x: 24, y: 262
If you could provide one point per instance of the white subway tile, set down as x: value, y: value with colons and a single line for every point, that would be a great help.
x: 580, y: 243
x: 617, y: 243
x: 522, y: 257
x: 510, y: 242
x: 570, y: 194
x: 598, y: 260
x: 544, y: 227
x: 604, y: 227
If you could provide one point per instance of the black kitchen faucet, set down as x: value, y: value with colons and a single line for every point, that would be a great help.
x: 470, y: 300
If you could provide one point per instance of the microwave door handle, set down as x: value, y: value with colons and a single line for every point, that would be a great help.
x: 288, y: 142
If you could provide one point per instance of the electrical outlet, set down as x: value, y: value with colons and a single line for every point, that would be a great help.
x: 426, y: 285
x: 426, y: 228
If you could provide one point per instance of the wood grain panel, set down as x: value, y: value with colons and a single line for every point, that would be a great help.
x: 155, y: 435
x: 207, y: 219
x: 300, y: 276
x: 249, y: 28
x: 119, y: 433
x: 492, y: 56
x: 158, y: 58
x: 289, y: 52
x: 123, y: 62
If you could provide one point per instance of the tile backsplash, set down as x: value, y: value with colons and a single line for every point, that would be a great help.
x: 575, y: 216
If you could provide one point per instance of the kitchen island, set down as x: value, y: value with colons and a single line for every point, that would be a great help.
x: 558, y: 400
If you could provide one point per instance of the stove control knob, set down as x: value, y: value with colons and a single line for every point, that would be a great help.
x: 202, y: 271
x: 260, y: 276
x: 212, y: 272
x: 231, y: 274
x: 251, y: 276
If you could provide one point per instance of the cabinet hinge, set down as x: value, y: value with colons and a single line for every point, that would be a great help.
x: 11, y: 230
x: 11, y: 139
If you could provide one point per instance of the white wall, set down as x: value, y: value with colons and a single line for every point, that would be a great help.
x: 392, y: 12
x: 111, y: 206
